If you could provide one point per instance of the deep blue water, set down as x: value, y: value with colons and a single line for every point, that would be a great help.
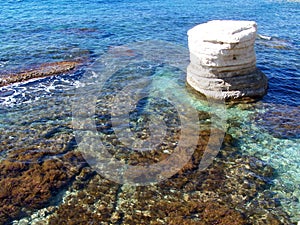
x: 35, y: 32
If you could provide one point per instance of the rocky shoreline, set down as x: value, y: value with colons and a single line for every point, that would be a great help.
x: 43, y: 70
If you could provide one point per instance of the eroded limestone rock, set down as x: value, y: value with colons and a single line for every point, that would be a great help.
x: 223, y: 61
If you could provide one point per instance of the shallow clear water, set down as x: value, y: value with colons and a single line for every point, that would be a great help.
x: 34, y: 32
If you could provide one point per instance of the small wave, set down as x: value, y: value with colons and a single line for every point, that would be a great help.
x: 33, y: 90
x: 263, y: 37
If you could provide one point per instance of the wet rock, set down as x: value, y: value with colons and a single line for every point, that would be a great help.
x: 44, y: 70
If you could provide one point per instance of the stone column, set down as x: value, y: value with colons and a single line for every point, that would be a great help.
x: 223, y: 62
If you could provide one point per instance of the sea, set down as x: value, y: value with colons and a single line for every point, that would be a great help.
x: 110, y: 35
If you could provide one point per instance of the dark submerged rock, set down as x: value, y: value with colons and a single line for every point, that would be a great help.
x: 281, y: 121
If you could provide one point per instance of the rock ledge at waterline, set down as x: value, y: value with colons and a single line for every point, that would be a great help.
x: 223, y: 62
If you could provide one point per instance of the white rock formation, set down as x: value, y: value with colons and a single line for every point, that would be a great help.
x: 223, y: 61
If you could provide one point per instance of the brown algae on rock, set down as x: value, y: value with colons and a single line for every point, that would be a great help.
x: 225, y: 193
x: 43, y: 70
x: 47, y: 173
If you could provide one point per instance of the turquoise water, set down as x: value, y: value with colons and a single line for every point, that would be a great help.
x: 34, y: 32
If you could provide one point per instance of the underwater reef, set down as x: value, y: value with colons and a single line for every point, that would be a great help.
x: 50, y: 183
